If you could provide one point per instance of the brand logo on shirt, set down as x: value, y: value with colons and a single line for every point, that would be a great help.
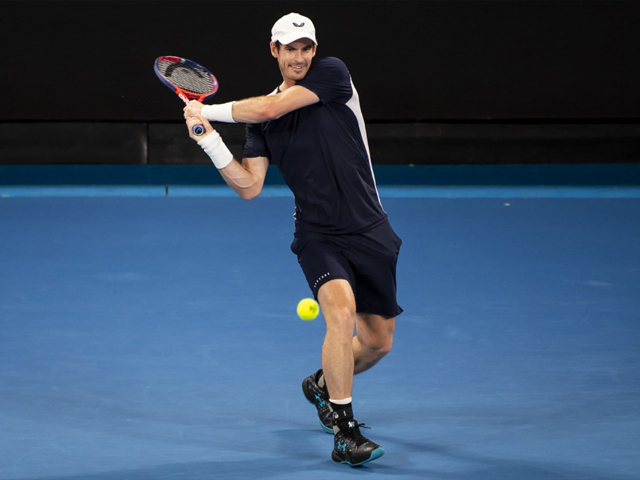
x: 299, y: 26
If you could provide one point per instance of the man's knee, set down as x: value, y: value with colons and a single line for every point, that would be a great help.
x: 341, y: 320
x: 384, y: 346
x: 375, y: 333
x: 379, y: 345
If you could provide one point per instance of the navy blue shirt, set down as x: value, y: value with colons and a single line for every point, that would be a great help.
x: 323, y: 155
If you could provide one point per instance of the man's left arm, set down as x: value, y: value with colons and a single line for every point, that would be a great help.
x: 256, y: 109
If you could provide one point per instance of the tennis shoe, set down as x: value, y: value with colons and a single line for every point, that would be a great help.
x: 352, y: 448
x: 319, y: 397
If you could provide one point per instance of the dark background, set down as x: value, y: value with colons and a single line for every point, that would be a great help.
x: 439, y: 81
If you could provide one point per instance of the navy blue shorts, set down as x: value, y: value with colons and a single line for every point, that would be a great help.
x: 367, y: 260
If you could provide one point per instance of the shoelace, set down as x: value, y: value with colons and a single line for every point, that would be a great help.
x: 357, y: 436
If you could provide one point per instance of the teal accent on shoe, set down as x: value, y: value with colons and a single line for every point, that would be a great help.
x: 377, y: 453
x: 324, y: 427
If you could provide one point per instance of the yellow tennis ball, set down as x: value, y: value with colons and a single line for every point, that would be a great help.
x: 308, y: 309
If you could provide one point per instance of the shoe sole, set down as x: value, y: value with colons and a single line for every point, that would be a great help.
x: 377, y: 453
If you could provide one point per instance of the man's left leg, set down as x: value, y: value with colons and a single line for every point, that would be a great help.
x: 373, y: 340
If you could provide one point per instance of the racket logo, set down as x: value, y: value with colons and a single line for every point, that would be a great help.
x: 169, y: 71
x: 299, y: 26
x: 184, y: 99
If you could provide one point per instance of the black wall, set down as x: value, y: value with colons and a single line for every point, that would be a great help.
x: 440, y: 81
x: 425, y: 61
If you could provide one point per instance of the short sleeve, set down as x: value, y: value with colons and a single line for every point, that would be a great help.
x: 255, y: 145
x: 329, y: 79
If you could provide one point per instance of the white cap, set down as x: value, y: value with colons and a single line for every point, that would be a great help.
x: 293, y: 27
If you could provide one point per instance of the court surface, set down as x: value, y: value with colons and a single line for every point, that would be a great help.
x: 156, y: 338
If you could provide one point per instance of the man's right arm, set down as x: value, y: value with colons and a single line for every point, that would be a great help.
x: 246, y: 178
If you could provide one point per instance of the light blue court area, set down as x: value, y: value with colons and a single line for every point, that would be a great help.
x: 386, y: 191
x: 155, y: 337
x: 393, y: 181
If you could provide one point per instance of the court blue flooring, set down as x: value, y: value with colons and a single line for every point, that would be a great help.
x: 156, y: 338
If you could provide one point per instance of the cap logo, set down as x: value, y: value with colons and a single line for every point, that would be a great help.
x: 299, y: 26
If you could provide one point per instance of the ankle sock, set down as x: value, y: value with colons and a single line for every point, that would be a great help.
x: 342, y: 413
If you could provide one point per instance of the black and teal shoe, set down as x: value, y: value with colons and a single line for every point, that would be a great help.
x: 352, y: 448
x: 320, y: 398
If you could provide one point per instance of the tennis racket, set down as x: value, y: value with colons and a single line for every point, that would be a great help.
x: 189, y: 80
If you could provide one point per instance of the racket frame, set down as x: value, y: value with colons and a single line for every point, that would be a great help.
x: 186, y: 95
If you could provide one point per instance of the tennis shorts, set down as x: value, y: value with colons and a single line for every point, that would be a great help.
x: 367, y: 260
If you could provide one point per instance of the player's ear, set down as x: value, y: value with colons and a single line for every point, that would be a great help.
x: 274, y: 49
x: 315, y: 48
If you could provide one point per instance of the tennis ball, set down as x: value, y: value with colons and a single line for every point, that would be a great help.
x: 308, y: 309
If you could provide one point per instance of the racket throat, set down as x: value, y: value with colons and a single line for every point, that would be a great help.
x: 184, y: 99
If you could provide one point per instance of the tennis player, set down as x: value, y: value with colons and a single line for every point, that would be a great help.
x: 312, y: 129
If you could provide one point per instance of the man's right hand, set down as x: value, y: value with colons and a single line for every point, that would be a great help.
x: 198, y: 120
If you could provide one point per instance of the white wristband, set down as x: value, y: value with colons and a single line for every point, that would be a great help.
x: 218, y: 113
x: 213, y: 146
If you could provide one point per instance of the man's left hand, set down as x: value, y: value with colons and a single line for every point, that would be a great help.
x: 193, y: 109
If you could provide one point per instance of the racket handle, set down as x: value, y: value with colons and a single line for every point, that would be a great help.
x: 198, y: 130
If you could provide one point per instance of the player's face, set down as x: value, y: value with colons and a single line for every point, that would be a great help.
x: 294, y: 59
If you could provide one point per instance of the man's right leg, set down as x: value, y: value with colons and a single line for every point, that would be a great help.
x: 326, y: 270
x: 372, y: 342
x: 339, y: 310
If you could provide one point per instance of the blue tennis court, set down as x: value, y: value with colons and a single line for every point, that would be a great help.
x: 155, y: 337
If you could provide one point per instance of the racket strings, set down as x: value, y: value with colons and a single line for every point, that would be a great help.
x: 187, y: 77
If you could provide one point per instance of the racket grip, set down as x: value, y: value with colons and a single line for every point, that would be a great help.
x: 198, y: 130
